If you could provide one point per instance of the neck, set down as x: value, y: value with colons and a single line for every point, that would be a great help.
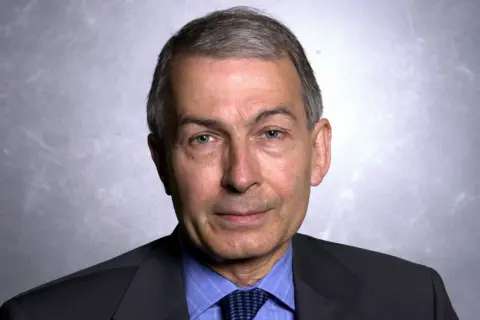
x: 245, y: 272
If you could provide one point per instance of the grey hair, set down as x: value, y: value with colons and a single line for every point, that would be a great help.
x: 241, y: 32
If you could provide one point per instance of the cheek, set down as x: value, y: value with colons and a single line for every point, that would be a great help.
x: 287, y: 174
x: 197, y: 182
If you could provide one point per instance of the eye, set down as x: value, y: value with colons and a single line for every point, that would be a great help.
x: 273, y: 134
x: 202, y: 139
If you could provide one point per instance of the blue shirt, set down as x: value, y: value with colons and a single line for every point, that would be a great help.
x: 204, y: 288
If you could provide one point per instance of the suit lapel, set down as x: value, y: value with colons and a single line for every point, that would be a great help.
x: 324, y: 288
x: 156, y: 292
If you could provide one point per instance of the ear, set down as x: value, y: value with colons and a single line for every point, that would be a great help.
x: 159, y: 157
x: 321, y: 142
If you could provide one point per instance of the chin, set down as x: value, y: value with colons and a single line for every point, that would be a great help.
x: 243, y: 246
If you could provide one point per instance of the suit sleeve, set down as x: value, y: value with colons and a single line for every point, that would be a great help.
x: 10, y: 311
x: 442, y: 306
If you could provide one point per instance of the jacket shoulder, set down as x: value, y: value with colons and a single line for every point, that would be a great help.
x: 360, y: 260
x: 100, y: 285
x: 395, y: 283
x: 412, y: 290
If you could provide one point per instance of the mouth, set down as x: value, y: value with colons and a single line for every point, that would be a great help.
x: 247, y: 218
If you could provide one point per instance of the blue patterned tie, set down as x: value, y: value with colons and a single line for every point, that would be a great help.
x: 243, y: 304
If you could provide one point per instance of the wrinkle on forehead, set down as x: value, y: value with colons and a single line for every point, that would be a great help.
x: 234, y: 88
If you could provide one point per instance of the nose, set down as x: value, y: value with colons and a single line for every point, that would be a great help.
x: 241, y: 169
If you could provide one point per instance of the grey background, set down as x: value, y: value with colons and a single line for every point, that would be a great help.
x: 400, y: 82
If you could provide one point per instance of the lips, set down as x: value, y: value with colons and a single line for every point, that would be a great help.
x: 243, y: 218
x: 240, y: 214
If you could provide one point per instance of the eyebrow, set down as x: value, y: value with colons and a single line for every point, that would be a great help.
x: 216, y: 124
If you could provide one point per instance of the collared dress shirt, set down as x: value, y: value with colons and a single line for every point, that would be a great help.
x: 204, y: 288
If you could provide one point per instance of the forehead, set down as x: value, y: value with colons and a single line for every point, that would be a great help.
x: 222, y: 87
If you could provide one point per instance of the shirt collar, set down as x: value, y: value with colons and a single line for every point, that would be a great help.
x: 279, y: 281
x: 204, y: 287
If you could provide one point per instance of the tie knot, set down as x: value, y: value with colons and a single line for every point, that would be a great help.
x: 243, y: 304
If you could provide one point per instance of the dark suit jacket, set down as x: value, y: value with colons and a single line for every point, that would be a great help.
x: 332, y: 282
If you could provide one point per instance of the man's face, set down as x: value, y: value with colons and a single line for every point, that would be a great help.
x: 242, y: 159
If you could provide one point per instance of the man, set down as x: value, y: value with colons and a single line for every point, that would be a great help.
x: 238, y: 140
